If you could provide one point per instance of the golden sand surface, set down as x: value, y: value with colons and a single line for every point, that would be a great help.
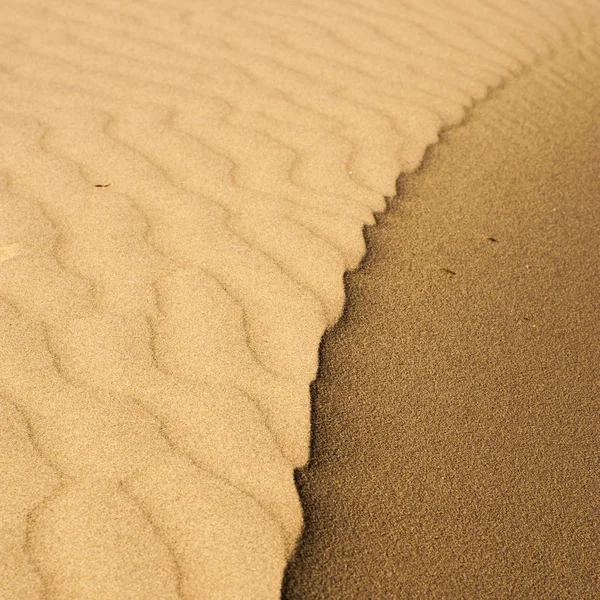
x: 456, y: 417
x: 182, y: 186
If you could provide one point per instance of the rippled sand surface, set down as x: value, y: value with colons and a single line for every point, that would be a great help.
x: 182, y: 186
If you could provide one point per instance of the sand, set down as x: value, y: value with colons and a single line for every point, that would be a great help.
x: 456, y: 416
x: 182, y: 187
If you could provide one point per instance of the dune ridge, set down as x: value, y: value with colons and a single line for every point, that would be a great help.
x: 455, y: 416
x: 181, y: 191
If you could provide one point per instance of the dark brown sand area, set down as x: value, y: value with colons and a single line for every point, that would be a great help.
x: 456, y: 438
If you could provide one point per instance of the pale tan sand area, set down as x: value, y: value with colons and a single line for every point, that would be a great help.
x: 456, y: 417
x: 182, y: 187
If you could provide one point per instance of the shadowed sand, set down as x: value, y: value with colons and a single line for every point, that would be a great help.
x: 456, y: 428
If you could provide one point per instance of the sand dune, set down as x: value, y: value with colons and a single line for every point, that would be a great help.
x: 456, y: 414
x: 182, y: 186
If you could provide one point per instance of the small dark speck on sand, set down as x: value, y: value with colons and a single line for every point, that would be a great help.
x: 493, y: 239
x: 102, y: 185
x: 447, y: 271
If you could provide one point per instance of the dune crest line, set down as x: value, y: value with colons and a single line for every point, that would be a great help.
x: 455, y: 414
x: 181, y: 191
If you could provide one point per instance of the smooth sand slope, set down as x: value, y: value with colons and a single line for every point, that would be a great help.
x: 456, y: 418
x: 182, y: 186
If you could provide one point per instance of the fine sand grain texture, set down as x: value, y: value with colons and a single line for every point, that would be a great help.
x: 182, y: 186
x: 456, y: 418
